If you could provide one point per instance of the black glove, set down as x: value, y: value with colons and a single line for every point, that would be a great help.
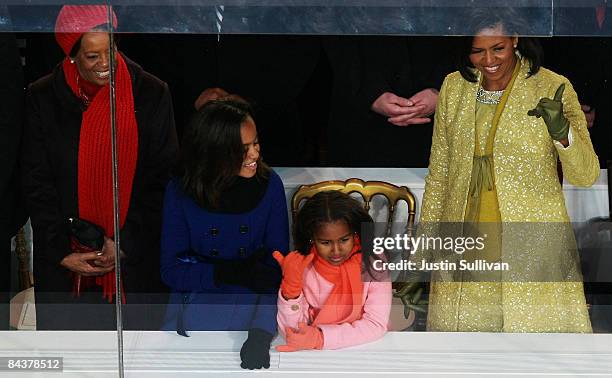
x: 251, y: 273
x: 255, y: 352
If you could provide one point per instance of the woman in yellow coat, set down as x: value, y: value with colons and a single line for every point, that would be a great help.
x: 500, y: 125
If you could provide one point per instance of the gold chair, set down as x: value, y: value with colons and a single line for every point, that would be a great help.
x: 25, y: 276
x: 400, y: 319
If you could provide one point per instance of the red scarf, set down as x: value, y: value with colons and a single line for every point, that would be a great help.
x: 600, y: 14
x: 95, y: 187
x: 345, y: 302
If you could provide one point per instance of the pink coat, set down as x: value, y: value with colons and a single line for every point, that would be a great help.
x: 372, y: 325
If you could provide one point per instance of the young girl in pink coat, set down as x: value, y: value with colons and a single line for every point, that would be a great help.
x: 324, y: 301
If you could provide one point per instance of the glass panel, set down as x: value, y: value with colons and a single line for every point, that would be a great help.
x: 314, y: 90
x: 314, y: 17
x: 581, y: 18
x: 413, y: 17
x: 314, y: 73
x: 54, y: 175
x: 282, y: 17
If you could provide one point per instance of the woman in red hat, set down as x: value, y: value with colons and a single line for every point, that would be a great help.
x: 67, y: 180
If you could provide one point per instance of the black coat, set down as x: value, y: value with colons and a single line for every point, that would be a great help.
x: 49, y: 178
x: 11, y: 108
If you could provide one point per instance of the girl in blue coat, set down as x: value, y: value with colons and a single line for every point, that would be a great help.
x: 224, y: 214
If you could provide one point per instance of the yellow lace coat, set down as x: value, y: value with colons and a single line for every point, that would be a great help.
x: 547, y: 293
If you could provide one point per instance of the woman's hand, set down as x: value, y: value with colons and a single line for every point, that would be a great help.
x: 293, y: 266
x: 106, y: 258
x: 83, y: 264
x: 551, y: 110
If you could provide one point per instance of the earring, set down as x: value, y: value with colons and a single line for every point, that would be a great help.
x: 514, y: 46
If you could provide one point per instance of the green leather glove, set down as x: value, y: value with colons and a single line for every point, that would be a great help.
x: 552, y: 113
x: 410, y: 293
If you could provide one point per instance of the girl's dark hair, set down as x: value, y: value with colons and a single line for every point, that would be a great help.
x: 327, y: 207
x: 212, y: 152
x: 512, y: 24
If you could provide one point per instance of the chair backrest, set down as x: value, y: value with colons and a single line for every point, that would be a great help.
x: 368, y: 190
x: 23, y: 257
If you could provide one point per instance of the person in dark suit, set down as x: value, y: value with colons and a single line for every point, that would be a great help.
x: 384, y: 94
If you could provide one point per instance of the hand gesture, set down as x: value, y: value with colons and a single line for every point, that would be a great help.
x: 410, y: 293
x: 305, y: 337
x: 424, y: 105
x: 551, y: 110
x: 403, y: 112
x: 106, y: 257
x: 390, y: 105
x: 293, y: 266
x: 83, y: 264
x: 399, y: 110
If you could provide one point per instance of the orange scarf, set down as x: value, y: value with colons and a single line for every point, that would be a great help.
x: 95, y: 187
x: 345, y: 302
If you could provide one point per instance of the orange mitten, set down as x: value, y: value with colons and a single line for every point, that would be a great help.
x: 293, y: 266
x: 305, y: 337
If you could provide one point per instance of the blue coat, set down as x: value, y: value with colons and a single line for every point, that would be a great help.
x: 196, y: 302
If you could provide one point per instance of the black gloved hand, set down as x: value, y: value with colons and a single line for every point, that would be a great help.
x: 251, y: 273
x: 255, y: 352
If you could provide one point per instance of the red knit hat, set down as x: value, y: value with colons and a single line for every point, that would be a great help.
x: 75, y: 20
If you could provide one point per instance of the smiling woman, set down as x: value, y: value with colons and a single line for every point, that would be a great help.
x: 501, y: 123
x: 91, y: 56
x: 250, y: 142
x: 67, y: 164
x: 493, y: 55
